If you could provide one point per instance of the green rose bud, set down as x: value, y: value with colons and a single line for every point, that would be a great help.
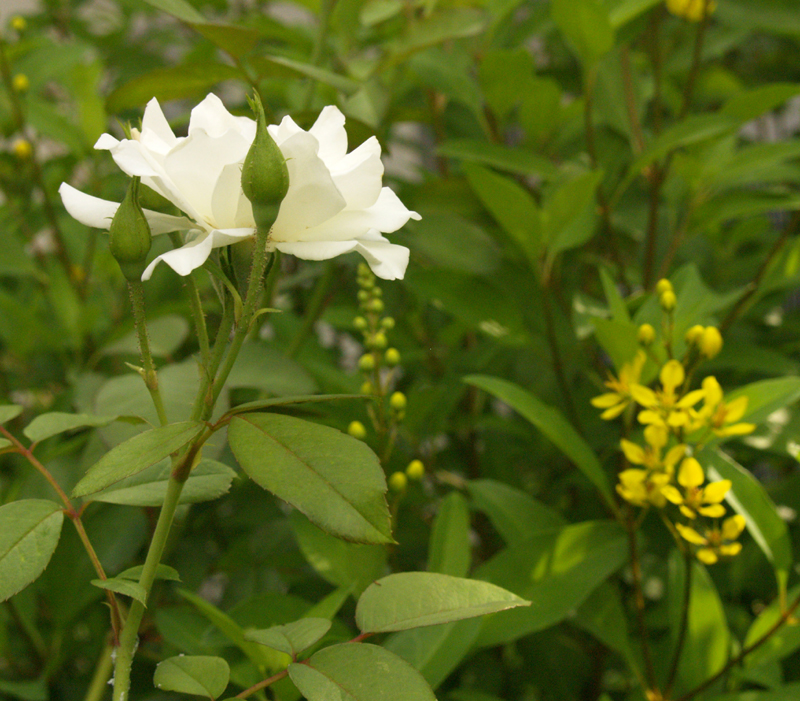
x: 129, y: 234
x: 265, y: 178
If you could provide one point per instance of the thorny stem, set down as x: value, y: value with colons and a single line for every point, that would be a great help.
x: 784, y: 617
x: 687, y: 596
x: 75, y: 516
x: 136, y: 290
x: 636, y: 572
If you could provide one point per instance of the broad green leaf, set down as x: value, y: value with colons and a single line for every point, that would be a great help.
x: 455, y: 243
x: 511, y: 205
x: 435, y: 651
x: 172, y: 83
x: 511, y: 160
x: 556, y: 570
x: 27, y: 691
x: 568, y: 216
x: 616, y: 305
x: 516, y: 515
x: 749, y: 498
x: 166, y: 333
x: 439, y: 27
x: 264, y: 659
x: 180, y: 9
x: 617, y: 338
x: 603, y: 615
x: 376, y: 11
x: 137, y: 454
x: 198, y: 675
x: 122, y: 586
x: 233, y: 40
x: 553, y: 425
x: 767, y: 396
x: 280, y: 66
x: 29, y: 532
x: 359, y: 672
x: 343, y: 564
x: 449, y: 72
x: 586, y: 26
x: 288, y: 401
x: 620, y: 12
x: 708, y: 639
x: 753, y: 103
x: 780, y: 644
x: 291, y: 638
x: 162, y: 572
x: 787, y: 692
x: 9, y: 411
x: 335, y: 480
x: 450, y: 550
x: 48, y: 425
x: 208, y: 481
x: 415, y: 599
x: 261, y: 366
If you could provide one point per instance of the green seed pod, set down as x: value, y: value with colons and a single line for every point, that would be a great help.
x: 360, y: 323
x: 357, y: 430
x: 265, y: 178
x: 398, y: 401
x: 415, y: 470
x: 375, y: 305
x: 387, y: 323
x: 378, y: 341
x: 129, y: 234
x: 366, y: 362
x: 392, y: 357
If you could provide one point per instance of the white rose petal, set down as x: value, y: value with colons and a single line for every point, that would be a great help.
x: 335, y: 204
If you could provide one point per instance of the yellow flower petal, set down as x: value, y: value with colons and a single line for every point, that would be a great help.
x: 691, y: 474
x: 644, y: 396
x: 732, y: 527
x: 707, y: 556
x: 650, y: 417
x: 686, y: 511
x: 715, y: 492
x: 691, y: 399
x: 614, y: 411
x: 735, y: 410
x: 690, y: 535
x: 735, y: 430
x: 730, y: 550
x: 672, y: 494
x: 674, y: 454
x: 676, y: 419
x: 712, y: 389
x: 671, y: 376
x: 713, y: 511
x: 603, y: 401
x: 634, y: 453
x: 656, y: 436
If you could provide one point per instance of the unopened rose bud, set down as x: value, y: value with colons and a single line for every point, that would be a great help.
x: 668, y: 301
x: 662, y: 286
x: 129, y: 234
x: 646, y: 334
x: 694, y: 334
x: 710, y: 342
x: 415, y: 470
x: 20, y: 83
x: 398, y: 482
x: 22, y: 149
x: 356, y: 430
x: 398, y: 401
x: 392, y: 357
x: 265, y: 178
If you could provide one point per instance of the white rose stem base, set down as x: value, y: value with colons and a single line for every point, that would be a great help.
x: 183, y: 465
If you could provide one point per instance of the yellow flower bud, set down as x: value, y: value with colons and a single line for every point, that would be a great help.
x: 356, y: 430
x: 366, y: 388
x: 378, y: 341
x: 415, y: 470
x: 398, y: 401
x: 366, y: 362
x: 392, y: 357
x: 375, y: 305
x: 710, y: 342
x: 694, y: 334
x: 20, y: 83
x: 668, y: 301
x: 387, y: 323
x: 646, y: 334
x: 18, y: 23
x: 692, y: 10
x: 662, y: 286
x: 360, y: 323
x: 398, y: 482
x: 22, y: 149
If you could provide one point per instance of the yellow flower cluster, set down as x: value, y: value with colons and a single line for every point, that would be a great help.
x: 693, y: 10
x: 677, y: 419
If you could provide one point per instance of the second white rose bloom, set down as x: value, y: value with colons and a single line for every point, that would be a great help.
x: 336, y: 202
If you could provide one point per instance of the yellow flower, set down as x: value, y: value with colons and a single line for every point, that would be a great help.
x: 710, y: 343
x: 720, y: 416
x: 716, y: 542
x: 693, y: 10
x: 642, y: 486
x: 616, y: 401
x: 665, y: 407
x: 706, y: 501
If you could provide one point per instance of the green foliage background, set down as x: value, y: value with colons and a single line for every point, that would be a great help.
x: 563, y: 155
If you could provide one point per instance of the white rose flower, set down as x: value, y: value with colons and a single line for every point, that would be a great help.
x: 335, y: 203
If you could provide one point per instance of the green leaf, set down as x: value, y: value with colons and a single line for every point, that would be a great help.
x: 137, y: 454
x: 603, y: 615
x: 280, y: 66
x: 162, y: 572
x: 27, y: 691
x: 568, y: 215
x: 9, y: 411
x: 29, y: 533
x: 415, y: 599
x: 556, y: 570
x: 343, y: 564
x: 288, y: 401
x: 208, y: 480
x: 167, y: 333
x: 511, y: 205
x: 199, y: 675
x: 48, y: 425
x: 450, y: 550
x: 515, y: 514
x: 586, y: 26
x: 749, y: 498
x: 123, y: 586
x: 233, y: 40
x: 178, y: 8
x: 750, y: 104
x: 455, y: 243
x: 261, y: 366
x: 335, y: 480
x: 767, y: 396
x: 553, y: 425
x: 359, y: 672
x: 616, y: 305
x: 291, y: 638
x: 439, y: 27
x: 620, y: 12
x: 511, y: 160
x: 780, y: 644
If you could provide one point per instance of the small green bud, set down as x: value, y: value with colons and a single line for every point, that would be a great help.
x: 356, y: 430
x: 375, y: 305
x: 398, y: 482
x: 378, y: 341
x: 366, y: 388
x: 129, y: 234
x: 376, y: 292
x: 366, y: 283
x: 363, y: 269
x: 415, y: 470
x: 387, y: 323
x: 360, y: 323
x: 265, y: 177
x: 646, y: 334
x: 398, y: 401
x: 366, y: 362
x: 392, y: 357
x: 363, y: 296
